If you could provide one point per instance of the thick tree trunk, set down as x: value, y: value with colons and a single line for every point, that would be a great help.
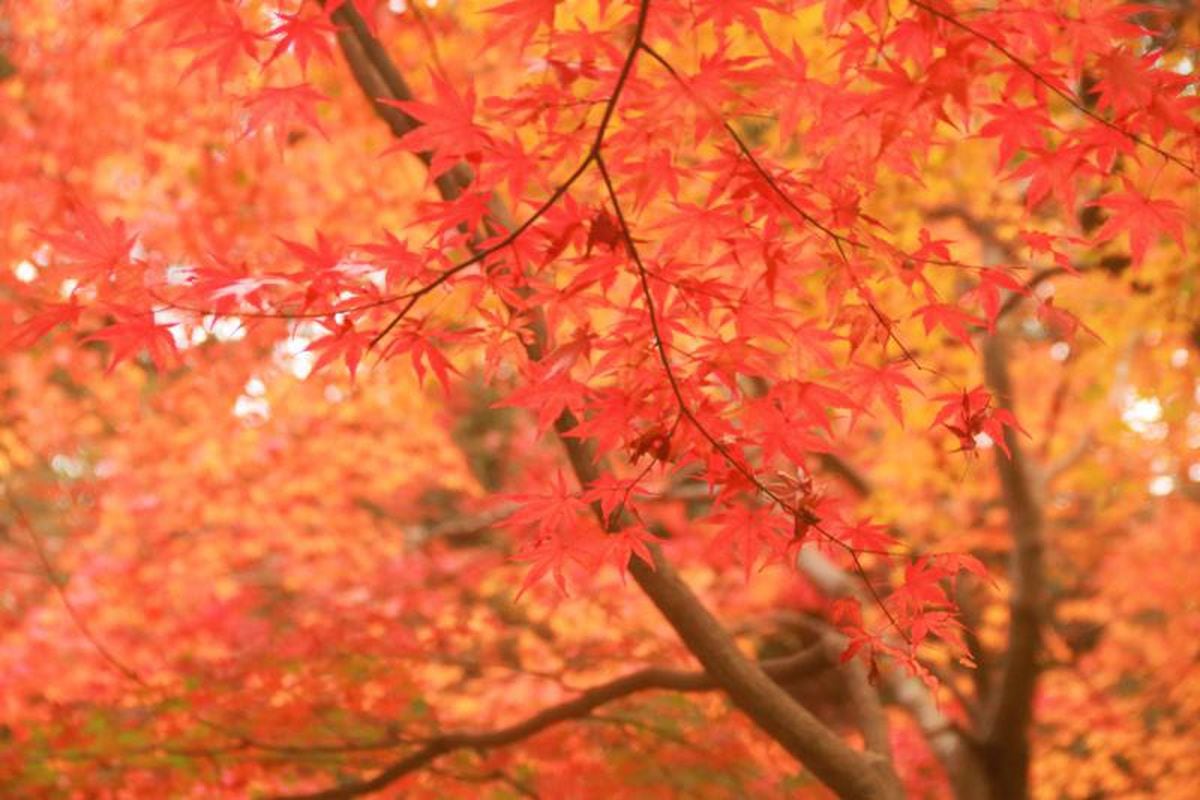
x: 1008, y: 713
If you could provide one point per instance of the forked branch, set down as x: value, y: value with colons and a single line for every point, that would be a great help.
x: 850, y: 773
x: 784, y: 669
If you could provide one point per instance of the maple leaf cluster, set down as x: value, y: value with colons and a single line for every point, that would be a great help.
x: 360, y: 353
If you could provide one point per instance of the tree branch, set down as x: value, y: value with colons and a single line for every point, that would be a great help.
x: 787, y: 668
x: 1009, y: 709
x: 850, y: 773
x: 945, y: 739
x: 1052, y: 86
x: 868, y: 707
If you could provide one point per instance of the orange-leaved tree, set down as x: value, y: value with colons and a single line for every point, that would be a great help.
x: 644, y: 398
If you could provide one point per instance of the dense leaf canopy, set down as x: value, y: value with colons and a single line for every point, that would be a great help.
x: 599, y: 398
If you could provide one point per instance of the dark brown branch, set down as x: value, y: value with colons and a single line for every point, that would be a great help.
x: 57, y: 580
x: 377, y: 76
x: 1020, y: 496
x: 850, y: 475
x: 652, y: 679
x: 1002, y: 740
x: 848, y: 772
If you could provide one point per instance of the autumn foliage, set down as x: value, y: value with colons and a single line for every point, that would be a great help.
x: 599, y: 398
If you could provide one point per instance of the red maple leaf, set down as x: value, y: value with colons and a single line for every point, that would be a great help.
x: 1053, y: 171
x: 42, y: 322
x: 93, y: 247
x: 883, y: 383
x: 447, y: 129
x: 184, y: 15
x: 603, y: 231
x: 317, y: 260
x: 991, y: 283
x: 1016, y: 127
x: 341, y: 340
x: 1143, y: 218
x: 394, y: 256
x: 304, y: 35
x: 522, y: 18
x: 279, y: 107
x: 967, y: 414
x: 422, y: 348
x: 743, y: 532
x: 559, y: 517
x: 950, y: 317
x: 224, y: 41
x: 136, y: 332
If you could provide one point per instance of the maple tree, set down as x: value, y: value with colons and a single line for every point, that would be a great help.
x: 730, y: 398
